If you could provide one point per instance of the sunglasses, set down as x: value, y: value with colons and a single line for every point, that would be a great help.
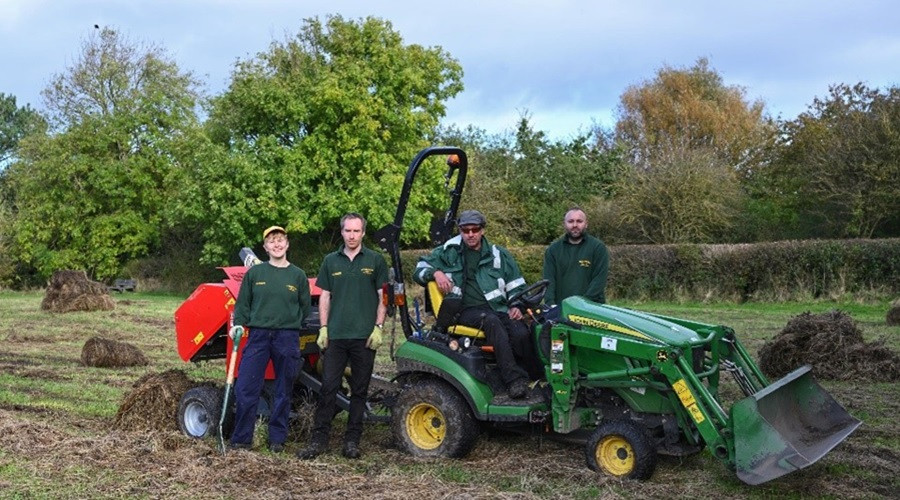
x: 470, y: 230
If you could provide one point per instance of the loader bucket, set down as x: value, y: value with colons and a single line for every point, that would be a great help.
x: 786, y: 426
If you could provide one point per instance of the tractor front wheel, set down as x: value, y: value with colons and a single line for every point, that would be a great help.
x: 431, y: 419
x: 621, y: 448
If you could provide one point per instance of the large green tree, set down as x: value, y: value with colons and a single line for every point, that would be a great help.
x: 322, y: 123
x: 839, y: 164
x: 15, y: 123
x: 90, y: 193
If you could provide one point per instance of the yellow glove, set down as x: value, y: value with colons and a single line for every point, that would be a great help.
x: 237, y: 331
x: 322, y: 341
x: 374, y: 341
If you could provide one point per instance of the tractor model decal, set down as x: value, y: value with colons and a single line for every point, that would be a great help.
x: 581, y: 320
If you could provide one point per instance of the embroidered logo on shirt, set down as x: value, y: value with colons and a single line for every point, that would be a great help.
x: 367, y: 270
x: 292, y: 288
x: 584, y: 263
x: 260, y: 283
x: 336, y: 273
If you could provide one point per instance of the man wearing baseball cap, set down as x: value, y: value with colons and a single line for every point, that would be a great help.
x: 272, y: 302
x: 484, y: 275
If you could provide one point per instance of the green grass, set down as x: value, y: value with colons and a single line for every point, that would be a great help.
x: 41, y: 374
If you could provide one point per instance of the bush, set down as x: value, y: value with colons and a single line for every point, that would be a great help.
x: 779, y: 271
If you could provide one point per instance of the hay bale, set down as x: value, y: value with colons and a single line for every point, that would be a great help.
x: 893, y: 314
x: 105, y: 353
x: 72, y: 291
x: 832, y: 344
x: 153, y: 403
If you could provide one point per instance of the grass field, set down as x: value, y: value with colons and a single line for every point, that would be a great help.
x: 57, y: 438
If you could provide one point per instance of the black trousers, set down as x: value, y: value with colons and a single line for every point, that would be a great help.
x: 361, y: 359
x: 513, y: 345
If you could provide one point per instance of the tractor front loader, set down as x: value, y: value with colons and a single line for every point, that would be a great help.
x: 629, y: 385
x: 651, y: 372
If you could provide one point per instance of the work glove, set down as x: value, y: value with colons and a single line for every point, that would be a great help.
x: 374, y: 340
x: 237, y: 331
x: 322, y: 341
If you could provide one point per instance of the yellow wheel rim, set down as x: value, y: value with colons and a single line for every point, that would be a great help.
x: 615, y: 455
x: 425, y: 426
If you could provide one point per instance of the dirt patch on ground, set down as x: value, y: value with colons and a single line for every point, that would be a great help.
x: 73, y: 291
x: 832, y: 343
x: 153, y: 402
x: 105, y: 353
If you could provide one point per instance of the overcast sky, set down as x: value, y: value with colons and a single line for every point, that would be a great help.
x: 565, y: 62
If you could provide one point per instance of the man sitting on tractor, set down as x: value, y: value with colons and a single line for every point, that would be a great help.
x: 483, y: 275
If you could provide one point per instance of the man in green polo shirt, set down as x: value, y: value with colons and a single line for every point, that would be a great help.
x: 352, y: 314
x: 577, y: 263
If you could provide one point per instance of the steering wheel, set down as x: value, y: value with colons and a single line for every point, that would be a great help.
x: 531, y: 296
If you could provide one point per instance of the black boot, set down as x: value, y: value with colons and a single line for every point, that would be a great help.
x: 314, y: 449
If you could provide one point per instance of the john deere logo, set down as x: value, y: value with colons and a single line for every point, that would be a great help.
x: 584, y: 263
x: 367, y: 271
x: 336, y: 273
x: 292, y: 288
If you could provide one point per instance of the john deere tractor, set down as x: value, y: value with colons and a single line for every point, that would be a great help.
x: 631, y: 385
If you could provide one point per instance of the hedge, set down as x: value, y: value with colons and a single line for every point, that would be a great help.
x: 775, y: 271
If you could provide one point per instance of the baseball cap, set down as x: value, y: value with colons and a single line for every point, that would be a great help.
x: 272, y: 229
x: 469, y: 217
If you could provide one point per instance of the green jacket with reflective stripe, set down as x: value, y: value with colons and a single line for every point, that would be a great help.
x: 498, y: 274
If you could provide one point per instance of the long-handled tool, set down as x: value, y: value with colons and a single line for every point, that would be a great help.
x: 236, y: 333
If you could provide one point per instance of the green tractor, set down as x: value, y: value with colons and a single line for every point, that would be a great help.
x: 630, y: 385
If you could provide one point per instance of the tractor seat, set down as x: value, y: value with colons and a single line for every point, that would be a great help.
x: 436, y: 298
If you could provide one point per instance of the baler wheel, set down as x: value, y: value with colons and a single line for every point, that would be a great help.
x: 621, y: 448
x: 431, y: 419
x: 198, y: 412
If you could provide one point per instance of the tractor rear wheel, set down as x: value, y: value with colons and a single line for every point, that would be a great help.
x: 431, y: 419
x: 199, y: 411
x: 621, y: 448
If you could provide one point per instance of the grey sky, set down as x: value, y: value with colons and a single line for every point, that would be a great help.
x: 565, y: 62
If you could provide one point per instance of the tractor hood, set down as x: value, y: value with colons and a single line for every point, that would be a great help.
x: 636, y: 324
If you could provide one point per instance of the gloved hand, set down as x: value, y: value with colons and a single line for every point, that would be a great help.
x: 374, y: 340
x: 322, y: 341
x: 237, y: 331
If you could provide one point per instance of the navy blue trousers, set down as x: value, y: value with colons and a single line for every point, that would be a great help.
x: 283, y: 348
x: 361, y: 359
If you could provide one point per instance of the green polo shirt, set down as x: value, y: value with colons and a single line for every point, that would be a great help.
x: 353, y: 285
x: 273, y: 297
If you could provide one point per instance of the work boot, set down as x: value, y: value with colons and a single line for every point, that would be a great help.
x: 276, y: 447
x: 314, y: 449
x: 351, y: 450
x: 518, y: 389
x: 239, y: 446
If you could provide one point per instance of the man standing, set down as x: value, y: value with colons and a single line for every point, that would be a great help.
x: 484, y: 275
x: 352, y: 314
x: 272, y: 302
x: 577, y: 263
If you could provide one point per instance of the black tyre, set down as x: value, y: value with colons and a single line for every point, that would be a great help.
x: 199, y: 410
x: 431, y: 419
x: 621, y: 448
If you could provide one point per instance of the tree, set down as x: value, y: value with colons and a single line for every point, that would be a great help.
x: 839, y: 163
x: 322, y: 123
x: 681, y: 110
x: 687, y: 136
x: 687, y: 198
x: 90, y: 195
x: 15, y: 123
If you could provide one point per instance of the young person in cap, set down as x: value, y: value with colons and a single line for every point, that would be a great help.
x: 577, y: 263
x: 272, y: 302
x: 484, y: 275
x: 352, y: 314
